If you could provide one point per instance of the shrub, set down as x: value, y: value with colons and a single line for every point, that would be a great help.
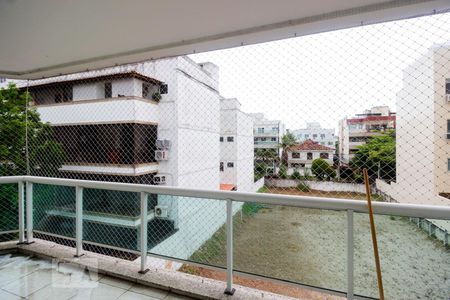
x: 263, y: 189
x: 322, y: 170
x: 283, y: 172
x: 156, y: 96
x: 303, y: 187
x: 296, y: 175
x: 358, y: 178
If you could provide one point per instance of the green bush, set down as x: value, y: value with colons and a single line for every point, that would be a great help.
x: 263, y: 189
x: 358, y: 178
x: 296, y: 175
x: 322, y: 170
x: 283, y: 172
x: 303, y: 187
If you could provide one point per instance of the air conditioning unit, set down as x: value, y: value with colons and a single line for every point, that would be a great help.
x: 161, y: 155
x: 161, y: 211
x: 447, y: 97
x: 159, y: 179
x: 163, y: 144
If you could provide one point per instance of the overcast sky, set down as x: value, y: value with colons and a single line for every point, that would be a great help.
x: 325, y: 77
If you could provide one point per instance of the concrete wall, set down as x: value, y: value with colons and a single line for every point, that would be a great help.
x: 88, y: 91
x: 328, y: 186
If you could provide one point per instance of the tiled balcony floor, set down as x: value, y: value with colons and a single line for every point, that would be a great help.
x: 25, y: 277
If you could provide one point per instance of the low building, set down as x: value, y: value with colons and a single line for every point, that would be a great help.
x: 236, y: 147
x: 267, y: 133
x: 315, y: 132
x: 356, y: 131
x: 301, y: 156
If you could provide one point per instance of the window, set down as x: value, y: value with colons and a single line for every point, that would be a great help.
x: 273, y: 139
x: 163, y: 89
x: 108, y: 89
x: 260, y: 130
x: 447, y: 87
x: 314, y: 136
x: 221, y: 139
x: 230, y: 165
x: 295, y: 154
x: 322, y: 136
x: 330, y: 143
x: 230, y: 139
x: 309, y: 156
x: 448, y: 164
x: 306, y: 136
x: 324, y: 155
x: 263, y: 139
x: 297, y: 165
x: 275, y: 129
x: 221, y: 166
x: 146, y: 90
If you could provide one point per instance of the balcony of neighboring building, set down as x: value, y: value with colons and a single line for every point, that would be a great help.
x: 121, y: 97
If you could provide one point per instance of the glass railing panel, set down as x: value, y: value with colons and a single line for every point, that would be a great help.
x: 54, y: 212
x: 191, y: 229
x: 8, y: 212
x: 414, y: 255
x: 300, y: 245
x: 111, y: 221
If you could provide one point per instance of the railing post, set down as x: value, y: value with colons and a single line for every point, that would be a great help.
x: 21, y: 207
x: 229, y: 226
x: 143, y: 237
x: 29, y: 209
x: 350, y: 255
x: 79, y: 221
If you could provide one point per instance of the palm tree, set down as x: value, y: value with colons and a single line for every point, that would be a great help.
x: 287, y: 141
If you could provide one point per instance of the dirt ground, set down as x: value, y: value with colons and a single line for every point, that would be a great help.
x: 309, y: 246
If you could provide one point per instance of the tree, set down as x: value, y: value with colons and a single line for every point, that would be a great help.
x: 287, y: 141
x: 322, y: 170
x: 378, y: 156
x: 22, y: 133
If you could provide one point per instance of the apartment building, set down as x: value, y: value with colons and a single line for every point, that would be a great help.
x: 301, y: 156
x: 267, y: 133
x: 156, y: 122
x: 236, y: 147
x: 315, y: 132
x: 355, y: 131
x: 423, y: 131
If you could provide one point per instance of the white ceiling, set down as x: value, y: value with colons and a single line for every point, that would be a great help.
x: 51, y: 37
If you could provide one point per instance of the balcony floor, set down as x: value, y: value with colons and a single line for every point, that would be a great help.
x: 35, y: 278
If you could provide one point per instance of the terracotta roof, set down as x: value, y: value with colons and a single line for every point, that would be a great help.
x: 309, y: 145
x: 227, y: 187
x: 370, y: 118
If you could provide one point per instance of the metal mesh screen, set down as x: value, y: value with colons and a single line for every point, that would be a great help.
x: 9, y: 223
x: 301, y: 116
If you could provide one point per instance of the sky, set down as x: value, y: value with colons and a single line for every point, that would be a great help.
x: 326, y: 77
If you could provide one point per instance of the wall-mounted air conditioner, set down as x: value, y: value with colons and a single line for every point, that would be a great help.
x: 163, y: 144
x: 159, y: 179
x: 161, y: 211
x: 161, y: 155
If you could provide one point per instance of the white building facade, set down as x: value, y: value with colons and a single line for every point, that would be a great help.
x: 300, y: 157
x: 423, y: 127
x: 236, y: 147
x: 356, y: 131
x: 315, y: 132
x: 267, y: 133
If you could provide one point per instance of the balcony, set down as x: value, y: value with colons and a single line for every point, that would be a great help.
x: 327, y: 259
x: 266, y: 133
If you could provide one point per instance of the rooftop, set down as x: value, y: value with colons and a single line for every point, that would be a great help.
x: 309, y: 145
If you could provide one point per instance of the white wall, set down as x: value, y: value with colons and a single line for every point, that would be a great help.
x: 88, y: 91
x: 234, y: 123
x: 101, y: 111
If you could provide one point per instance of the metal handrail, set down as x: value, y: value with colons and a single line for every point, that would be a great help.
x: 382, y: 208
x: 347, y: 205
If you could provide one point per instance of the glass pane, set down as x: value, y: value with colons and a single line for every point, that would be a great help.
x: 192, y: 229
x: 301, y: 245
x: 54, y: 211
x: 9, y: 209
x: 414, y: 254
